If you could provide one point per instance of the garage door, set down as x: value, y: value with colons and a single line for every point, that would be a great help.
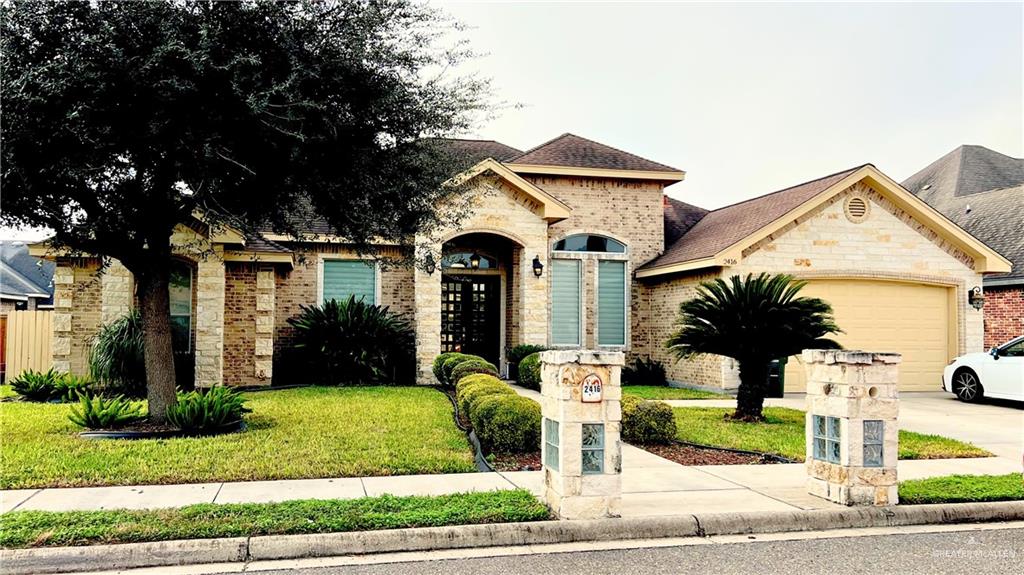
x: 910, y: 319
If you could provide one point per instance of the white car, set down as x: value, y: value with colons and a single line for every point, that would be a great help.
x: 998, y: 373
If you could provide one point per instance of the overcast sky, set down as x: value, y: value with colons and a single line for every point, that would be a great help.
x: 751, y: 98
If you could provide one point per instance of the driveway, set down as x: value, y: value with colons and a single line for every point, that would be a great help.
x: 996, y: 426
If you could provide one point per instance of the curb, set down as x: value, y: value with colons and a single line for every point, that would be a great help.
x: 239, y: 549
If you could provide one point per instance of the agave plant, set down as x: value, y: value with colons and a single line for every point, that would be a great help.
x: 753, y: 320
x: 207, y: 410
x: 98, y: 412
x: 116, y: 358
x: 37, y: 385
x: 355, y: 343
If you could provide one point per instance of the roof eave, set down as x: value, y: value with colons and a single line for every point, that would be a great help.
x: 687, y: 266
x: 551, y: 208
x: 650, y: 175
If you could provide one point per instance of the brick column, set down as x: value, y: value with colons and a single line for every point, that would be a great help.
x: 264, y: 353
x: 117, y: 293
x: 533, y: 312
x: 63, y: 304
x: 852, y: 433
x: 210, y: 319
x: 582, y: 413
x: 427, y: 313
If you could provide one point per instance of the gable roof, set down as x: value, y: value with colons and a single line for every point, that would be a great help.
x: 719, y: 238
x: 981, y: 191
x: 579, y: 156
x: 551, y: 208
x: 679, y: 218
x: 22, y: 275
x: 477, y: 150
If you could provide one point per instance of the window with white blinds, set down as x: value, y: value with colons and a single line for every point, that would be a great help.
x: 611, y: 303
x: 565, y: 302
x: 344, y: 278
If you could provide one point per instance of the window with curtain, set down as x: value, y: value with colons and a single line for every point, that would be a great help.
x: 611, y: 303
x: 565, y: 302
x: 344, y: 278
x: 180, y: 291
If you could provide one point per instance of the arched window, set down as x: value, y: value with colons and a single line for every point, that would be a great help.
x: 589, y: 243
x: 469, y: 261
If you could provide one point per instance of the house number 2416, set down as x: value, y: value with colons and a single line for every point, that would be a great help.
x: 593, y: 389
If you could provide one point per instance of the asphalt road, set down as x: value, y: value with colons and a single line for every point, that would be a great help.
x: 973, y: 552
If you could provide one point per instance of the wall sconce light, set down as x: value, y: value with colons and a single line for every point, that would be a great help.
x: 429, y: 265
x: 538, y: 268
x: 976, y: 298
x: 474, y: 261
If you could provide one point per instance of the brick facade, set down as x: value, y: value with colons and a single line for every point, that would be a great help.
x: 77, y: 309
x: 1004, y: 314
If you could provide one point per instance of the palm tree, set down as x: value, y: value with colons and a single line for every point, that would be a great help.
x: 753, y: 320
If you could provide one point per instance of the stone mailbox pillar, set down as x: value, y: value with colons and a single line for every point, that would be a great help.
x: 581, y: 412
x: 852, y: 432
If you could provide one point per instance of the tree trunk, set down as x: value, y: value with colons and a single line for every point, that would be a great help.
x: 155, y: 308
x: 753, y: 387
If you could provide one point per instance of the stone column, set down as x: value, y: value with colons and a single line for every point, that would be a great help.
x: 210, y: 319
x: 63, y: 304
x: 852, y: 433
x: 582, y: 416
x: 533, y: 312
x: 264, y: 353
x: 117, y: 295
x: 427, y: 312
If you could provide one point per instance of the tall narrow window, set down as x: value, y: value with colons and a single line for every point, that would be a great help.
x: 565, y: 302
x: 344, y: 278
x: 611, y: 302
x: 180, y: 288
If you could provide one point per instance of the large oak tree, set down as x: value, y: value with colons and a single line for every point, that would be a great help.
x: 121, y: 120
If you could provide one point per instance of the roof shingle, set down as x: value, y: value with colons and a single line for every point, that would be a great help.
x: 569, y: 150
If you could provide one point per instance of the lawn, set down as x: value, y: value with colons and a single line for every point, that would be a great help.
x: 962, y: 489
x: 42, y: 528
x: 783, y: 434
x: 665, y: 392
x: 295, y: 433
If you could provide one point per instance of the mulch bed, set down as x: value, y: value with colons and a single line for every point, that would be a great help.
x: 517, y: 462
x: 689, y: 455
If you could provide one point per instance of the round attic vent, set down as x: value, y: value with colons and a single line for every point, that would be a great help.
x: 857, y: 209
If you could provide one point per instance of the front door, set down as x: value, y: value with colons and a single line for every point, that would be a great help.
x: 471, y: 315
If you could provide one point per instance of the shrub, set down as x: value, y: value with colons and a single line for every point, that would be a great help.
x: 647, y: 422
x: 529, y: 371
x: 116, y: 357
x: 517, y: 353
x: 98, y: 412
x: 474, y: 387
x: 355, y: 343
x: 451, y: 363
x: 37, y: 385
x: 644, y: 372
x: 473, y: 366
x: 507, y: 423
x: 70, y: 386
x: 207, y: 410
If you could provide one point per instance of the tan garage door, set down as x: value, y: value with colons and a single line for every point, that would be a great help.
x: 911, y: 319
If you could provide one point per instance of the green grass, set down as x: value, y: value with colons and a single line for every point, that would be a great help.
x: 962, y: 489
x: 665, y: 392
x: 6, y: 392
x: 42, y: 528
x: 296, y: 433
x: 783, y: 434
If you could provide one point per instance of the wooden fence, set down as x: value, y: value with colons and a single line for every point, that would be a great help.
x: 28, y: 342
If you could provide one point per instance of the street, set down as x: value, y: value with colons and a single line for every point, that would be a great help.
x: 973, y: 549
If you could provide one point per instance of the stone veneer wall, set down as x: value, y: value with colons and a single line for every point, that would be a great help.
x: 1004, y: 314
x: 77, y: 298
x: 209, y: 319
x: 118, y: 292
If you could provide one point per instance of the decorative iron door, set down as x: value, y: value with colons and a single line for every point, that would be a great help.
x: 470, y: 315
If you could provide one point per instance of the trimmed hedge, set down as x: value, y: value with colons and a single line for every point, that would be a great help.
x: 644, y: 372
x: 519, y: 352
x: 529, y: 371
x: 473, y: 387
x: 507, y: 423
x: 452, y: 362
x: 473, y: 366
x: 647, y: 422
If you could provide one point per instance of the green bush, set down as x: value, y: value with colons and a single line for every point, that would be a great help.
x: 644, y: 372
x: 70, y: 386
x: 529, y: 371
x: 473, y: 366
x: 507, y: 423
x: 49, y: 385
x: 517, y: 353
x: 647, y: 422
x: 98, y: 412
x: 355, y: 343
x: 473, y: 387
x: 207, y: 410
x: 116, y: 357
x: 452, y: 362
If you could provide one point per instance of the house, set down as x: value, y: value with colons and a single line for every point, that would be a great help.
x: 25, y: 281
x: 572, y: 243
x: 982, y: 191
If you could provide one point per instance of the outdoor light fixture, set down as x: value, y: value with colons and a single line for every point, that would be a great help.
x: 429, y: 265
x: 976, y: 298
x: 474, y: 261
x: 538, y: 268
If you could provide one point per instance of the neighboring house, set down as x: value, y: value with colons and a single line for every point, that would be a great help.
x: 25, y: 281
x: 982, y: 191
x: 570, y: 244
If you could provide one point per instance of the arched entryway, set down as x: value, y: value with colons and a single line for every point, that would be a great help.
x: 480, y: 294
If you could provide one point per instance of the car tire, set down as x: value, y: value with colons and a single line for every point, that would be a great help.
x: 967, y: 386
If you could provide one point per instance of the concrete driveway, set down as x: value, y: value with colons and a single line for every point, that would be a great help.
x: 997, y: 426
